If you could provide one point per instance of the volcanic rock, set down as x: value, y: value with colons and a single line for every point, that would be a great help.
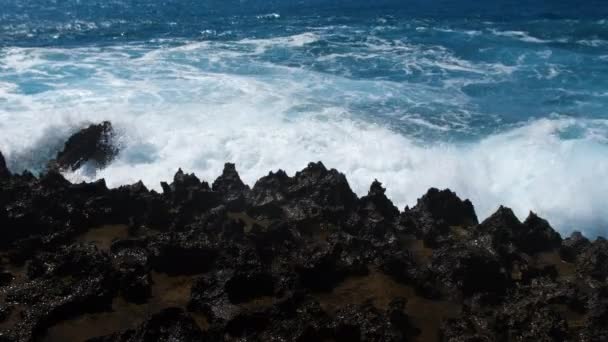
x: 297, y: 258
x: 445, y: 205
x: 4, y: 172
x: 437, y: 215
x: 232, y: 188
x: 171, y: 324
x: 573, y: 246
x: 92, y: 144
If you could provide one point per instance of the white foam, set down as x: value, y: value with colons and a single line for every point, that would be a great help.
x: 421, y: 122
x: 466, y: 32
x: 269, y: 16
x: 520, y: 35
x: 593, y: 42
x: 171, y: 112
x: 297, y: 40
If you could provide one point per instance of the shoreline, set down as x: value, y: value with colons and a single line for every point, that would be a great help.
x: 298, y: 258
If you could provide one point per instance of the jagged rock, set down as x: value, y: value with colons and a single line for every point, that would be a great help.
x: 4, y: 172
x: 377, y: 205
x: 92, y: 144
x: 322, y: 268
x: 69, y: 282
x: 271, y: 188
x: 189, y: 197
x: 573, y: 246
x: 232, y: 188
x: 445, y: 205
x: 535, y: 235
x: 292, y: 259
x: 131, y: 258
x: 466, y: 269
x: 312, y: 193
x: 209, y: 297
x: 593, y: 260
x: 538, y: 236
x: 437, y: 216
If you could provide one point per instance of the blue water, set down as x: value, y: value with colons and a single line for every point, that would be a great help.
x: 504, y: 101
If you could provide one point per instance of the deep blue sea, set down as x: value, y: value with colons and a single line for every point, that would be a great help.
x: 505, y: 102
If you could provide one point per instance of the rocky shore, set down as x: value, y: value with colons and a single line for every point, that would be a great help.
x: 299, y: 258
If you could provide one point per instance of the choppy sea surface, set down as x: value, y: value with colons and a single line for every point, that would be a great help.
x: 505, y: 102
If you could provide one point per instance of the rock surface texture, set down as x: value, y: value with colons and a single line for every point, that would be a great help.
x: 297, y: 258
x: 92, y: 144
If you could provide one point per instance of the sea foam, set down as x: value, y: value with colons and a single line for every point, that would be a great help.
x: 201, y: 104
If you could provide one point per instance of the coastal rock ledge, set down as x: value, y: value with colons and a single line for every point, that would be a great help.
x: 299, y: 258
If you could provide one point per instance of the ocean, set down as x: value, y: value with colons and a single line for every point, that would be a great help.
x: 504, y: 102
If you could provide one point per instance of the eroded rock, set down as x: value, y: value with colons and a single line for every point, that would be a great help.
x: 297, y: 258
x: 4, y: 172
x: 93, y: 144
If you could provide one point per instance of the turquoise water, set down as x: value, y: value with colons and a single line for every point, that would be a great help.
x: 505, y: 102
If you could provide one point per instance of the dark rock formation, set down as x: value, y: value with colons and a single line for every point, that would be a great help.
x: 297, y: 258
x: 92, y: 144
x: 4, y: 172
x: 232, y: 187
x: 445, y: 206
x: 171, y: 324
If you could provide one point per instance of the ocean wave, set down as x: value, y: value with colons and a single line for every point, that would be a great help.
x: 269, y: 16
x: 202, y: 120
x: 520, y: 35
x: 457, y: 31
x: 529, y: 168
x: 294, y: 41
x: 197, y: 104
x: 593, y: 42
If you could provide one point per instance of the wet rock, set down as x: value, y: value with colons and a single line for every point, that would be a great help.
x: 92, y: 144
x: 322, y: 267
x: 468, y: 328
x: 74, y: 281
x: 232, y: 188
x: 444, y: 205
x: 189, y: 197
x: 377, y: 205
x: 532, y: 321
x: 593, y: 260
x: 137, y: 205
x: 538, y: 236
x: 270, y: 188
x: 366, y: 323
x: 171, y: 324
x: 439, y: 218
x: 535, y: 235
x: 246, y: 286
x: 131, y: 259
x: 402, y: 267
x: 6, y: 278
x: 4, y: 172
x: 466, y: 269
x: 312, y: 193
x: 209, y: 297
x: 573, y: 246
x: 285, y: 261
x: 177, y: 256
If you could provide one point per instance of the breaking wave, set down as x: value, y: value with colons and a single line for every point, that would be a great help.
x: 507, y: 113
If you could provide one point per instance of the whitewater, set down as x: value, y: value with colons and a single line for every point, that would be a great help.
x: 511, y: 112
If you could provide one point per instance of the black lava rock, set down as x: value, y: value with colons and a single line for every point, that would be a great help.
x: 92, y: 144
x: 4, y: 172
x: 297, y: 258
